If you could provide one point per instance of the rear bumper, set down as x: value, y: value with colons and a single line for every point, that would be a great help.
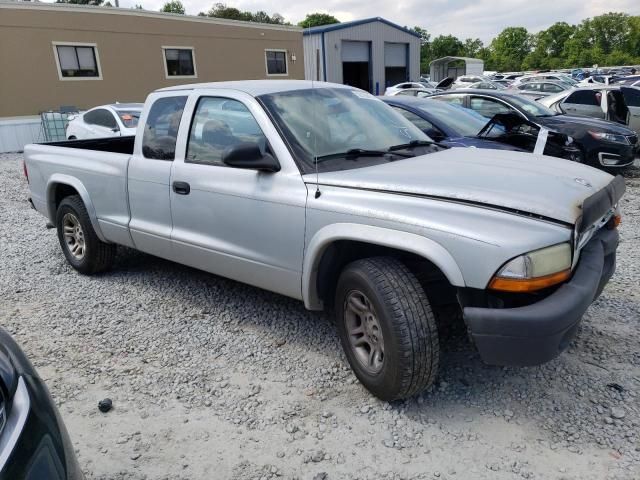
x: 539, y: 332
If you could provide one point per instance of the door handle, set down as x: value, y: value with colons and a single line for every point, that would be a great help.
x: 181, y: 188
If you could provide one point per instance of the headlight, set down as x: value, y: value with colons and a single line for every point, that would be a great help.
x: 609, y: 137
x: 534, y: 270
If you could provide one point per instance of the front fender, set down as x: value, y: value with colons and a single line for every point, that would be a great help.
x: 408, y: 242
x: 62, y: 179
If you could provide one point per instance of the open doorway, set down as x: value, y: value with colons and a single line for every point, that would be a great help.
x: 356, y: 64
x: 395, y: 75
x: 356, y: 74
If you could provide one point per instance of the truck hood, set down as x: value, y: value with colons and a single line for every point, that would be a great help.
x: 512, y: 181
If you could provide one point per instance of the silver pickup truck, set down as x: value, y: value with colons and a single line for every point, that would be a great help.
x: 323, y: 193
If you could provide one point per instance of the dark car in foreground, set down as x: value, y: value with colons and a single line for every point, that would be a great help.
x: 34, y: 444
x: 455, y: 126
x: 602, y: 144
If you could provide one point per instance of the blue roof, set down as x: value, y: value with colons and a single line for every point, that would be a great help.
x: 339, y: 26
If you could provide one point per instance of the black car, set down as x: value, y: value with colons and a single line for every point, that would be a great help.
x: 34, y: 444
x: 455, y: 126
x: 602, y: 144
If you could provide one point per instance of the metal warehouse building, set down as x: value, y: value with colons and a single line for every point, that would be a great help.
x: 370, y: 54
x: 55, y: 55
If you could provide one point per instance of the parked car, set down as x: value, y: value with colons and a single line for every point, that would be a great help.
x: 617, y: 103
x: 506, y: 76
x: 489, y: 85
x: 338, y: 200
x: 423, y: 89
x: 503, y: 82
x: 464, y: 81
x: 447, y: 124
x: 412, y: 92
x: 116, y: 120
x: 34, y: 443
x: 602, y: 143
x: 456, y: 126
x: 539, y: 89
x: 549, y: 76
x: 629, y: 80
x: 405, y: 85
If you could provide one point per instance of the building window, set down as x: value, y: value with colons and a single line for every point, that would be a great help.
x: 179, y: 62
x: 77, y: 61
x: 276, y: 62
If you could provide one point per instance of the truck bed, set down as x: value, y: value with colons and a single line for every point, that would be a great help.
x: 97, y: 166
x: 112, y: 144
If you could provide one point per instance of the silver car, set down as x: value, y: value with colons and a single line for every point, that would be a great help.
x: 618, y: 103
x: 539, y: 89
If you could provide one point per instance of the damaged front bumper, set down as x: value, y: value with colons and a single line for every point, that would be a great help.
x: 537, y: 333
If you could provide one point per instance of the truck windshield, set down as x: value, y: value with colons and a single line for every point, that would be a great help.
x: 323, y: 122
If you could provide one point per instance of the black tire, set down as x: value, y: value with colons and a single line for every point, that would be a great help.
x: 97, y: 256
x: 403, y: 315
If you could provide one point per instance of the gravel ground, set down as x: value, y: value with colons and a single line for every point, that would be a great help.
x: 214, y: 379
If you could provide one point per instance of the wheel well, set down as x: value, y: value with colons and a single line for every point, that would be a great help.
x: 61, y: 191
x: 342, y: 252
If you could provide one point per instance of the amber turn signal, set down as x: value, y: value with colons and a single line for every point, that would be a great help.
x: 617, y: 220
x: 522, y: 285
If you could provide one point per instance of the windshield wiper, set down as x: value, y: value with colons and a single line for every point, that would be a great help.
x: 415, y: 143
x: 354, y: 153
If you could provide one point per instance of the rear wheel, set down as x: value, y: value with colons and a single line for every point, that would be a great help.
x: 80, y: 244
x: 386, y: 327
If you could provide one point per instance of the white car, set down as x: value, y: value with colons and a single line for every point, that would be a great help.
x: 465, y: 81
x: 117, y: 120
x: 403, y: 86
x: 544, y: 77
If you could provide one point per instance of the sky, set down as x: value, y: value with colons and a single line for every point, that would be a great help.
x: 482, y: 19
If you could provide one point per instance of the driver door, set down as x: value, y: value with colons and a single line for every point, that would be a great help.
x: 243, y: 224
x: 585, y: 103
x: 632, y: 99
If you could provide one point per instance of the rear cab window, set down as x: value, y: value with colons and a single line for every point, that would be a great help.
x: 161, y: 128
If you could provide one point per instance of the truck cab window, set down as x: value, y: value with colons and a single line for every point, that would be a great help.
x: 220, y: 123
x: 161, y: 130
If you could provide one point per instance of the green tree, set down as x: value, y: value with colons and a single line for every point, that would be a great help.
x: 317, y: 19
x: 510, y: 48
x: 472, y: 47
x: 173, y: 6
x: 446, y: 46
x: 221, y: 10
x: 425, y: 49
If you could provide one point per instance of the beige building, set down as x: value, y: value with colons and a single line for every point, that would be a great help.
x: 56, y: 55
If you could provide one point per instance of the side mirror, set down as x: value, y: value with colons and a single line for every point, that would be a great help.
x: 249, y: 156
x: 115, y: 129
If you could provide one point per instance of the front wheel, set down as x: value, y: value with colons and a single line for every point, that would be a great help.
x: 387, y: 328
x: 80, y: 244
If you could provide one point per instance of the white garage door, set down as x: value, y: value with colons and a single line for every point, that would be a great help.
x: 355, y: 51
x: 395, y: 54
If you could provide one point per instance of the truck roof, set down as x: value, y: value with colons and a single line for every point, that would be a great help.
x: 256, y: 87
